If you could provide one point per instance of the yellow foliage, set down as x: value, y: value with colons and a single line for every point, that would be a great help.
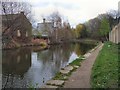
x: 78, y: 30
x: 77, y: 50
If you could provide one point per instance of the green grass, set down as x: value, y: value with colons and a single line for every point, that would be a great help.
x: 77, y: 61
x: 105, y: 68
x: 90, y: 41
x: 60, y: 76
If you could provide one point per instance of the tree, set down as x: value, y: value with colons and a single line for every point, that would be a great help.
x: 17, y: 7
x: 115, y: 15
x: 104, y: 28
x: 84, y: 32
x: 61, y: 31
x: 78, y: 30
x: 56, y: 19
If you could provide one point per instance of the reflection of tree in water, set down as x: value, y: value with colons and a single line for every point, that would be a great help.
x: 15, y: 63
x: 57, y: 55
x: 18, y: 61
x: 81, y: 48
x: 77, y: 49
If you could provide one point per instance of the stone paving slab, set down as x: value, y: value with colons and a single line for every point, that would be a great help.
x: 76, y: 66
x: 87, y: 55
x: 55, y: 82
x: 64, y: 71
x: 69, y: 68
x: 48, y: 86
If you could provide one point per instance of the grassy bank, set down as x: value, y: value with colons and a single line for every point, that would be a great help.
x: 105, y: 68
x: 87, y: 41
x: 76, y: 63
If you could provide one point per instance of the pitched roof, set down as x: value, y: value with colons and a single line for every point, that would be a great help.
x: 9, y: 17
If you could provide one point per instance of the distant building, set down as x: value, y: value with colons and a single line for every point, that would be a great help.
x: 44, y: 27
x: 16, y: 27
x: 47, y: 27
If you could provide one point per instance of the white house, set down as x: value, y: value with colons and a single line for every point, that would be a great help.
x: 45, y: 27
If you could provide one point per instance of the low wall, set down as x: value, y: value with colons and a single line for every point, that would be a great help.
x: 114, y: 34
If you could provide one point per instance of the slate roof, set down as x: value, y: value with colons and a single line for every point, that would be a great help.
x: 9, y: 16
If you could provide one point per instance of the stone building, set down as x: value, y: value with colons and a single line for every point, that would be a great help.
x: 16, y: 27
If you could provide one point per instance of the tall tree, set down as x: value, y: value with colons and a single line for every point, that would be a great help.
x: 78, y: 30
x: 104, y: 28
x: 62, y: 29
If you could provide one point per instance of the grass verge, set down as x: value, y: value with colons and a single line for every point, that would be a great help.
x: 105, y: 69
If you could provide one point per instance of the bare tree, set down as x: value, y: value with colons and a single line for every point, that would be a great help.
x: 113, y: 13
x: 17, y: 7
x: 61, y: 29
x: 55, y: 17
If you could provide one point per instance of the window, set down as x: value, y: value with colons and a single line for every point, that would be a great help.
x: 18, y: 33
x: 26, y: 34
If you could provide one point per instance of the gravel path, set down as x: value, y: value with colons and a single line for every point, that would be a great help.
x: 81, y: 77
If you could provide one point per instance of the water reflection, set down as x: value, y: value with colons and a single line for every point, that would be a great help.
x: 16, y: 61
x: 29, y: 66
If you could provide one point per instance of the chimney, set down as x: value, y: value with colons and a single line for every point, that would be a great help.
x: 43, y: 20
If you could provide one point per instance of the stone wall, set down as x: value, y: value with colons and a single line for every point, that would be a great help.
x: 114, y: 34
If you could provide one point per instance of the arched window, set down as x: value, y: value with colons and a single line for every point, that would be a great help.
x: 18, y: 33
x: 26, y: 34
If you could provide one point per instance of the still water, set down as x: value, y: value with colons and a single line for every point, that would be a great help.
x: 26, y: 67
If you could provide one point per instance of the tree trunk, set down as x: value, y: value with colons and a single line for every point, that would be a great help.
x: 106, y: 38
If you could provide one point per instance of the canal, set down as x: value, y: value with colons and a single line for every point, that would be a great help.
x: 26, y: 67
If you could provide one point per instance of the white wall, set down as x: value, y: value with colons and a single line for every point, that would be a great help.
x: 114, y: 34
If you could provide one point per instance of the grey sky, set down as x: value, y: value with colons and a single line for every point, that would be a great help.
x: 76, y: 11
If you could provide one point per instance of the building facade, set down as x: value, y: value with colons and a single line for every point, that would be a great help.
x: 47, y: 27
x: 16, y: 27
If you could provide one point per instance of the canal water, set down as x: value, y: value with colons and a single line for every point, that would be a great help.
x: 31, y: 67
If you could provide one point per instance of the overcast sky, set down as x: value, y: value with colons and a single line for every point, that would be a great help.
x: 76, y: 11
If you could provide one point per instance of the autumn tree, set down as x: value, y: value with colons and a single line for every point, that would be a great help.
x: 84, y: 32
x: 79, y: 30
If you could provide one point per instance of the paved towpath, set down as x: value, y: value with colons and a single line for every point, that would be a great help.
x: 81, y: 77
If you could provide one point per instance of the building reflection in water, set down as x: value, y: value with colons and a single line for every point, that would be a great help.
x: 16, y: 62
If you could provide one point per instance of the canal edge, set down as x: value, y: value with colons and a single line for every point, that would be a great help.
x: 58, y: 83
